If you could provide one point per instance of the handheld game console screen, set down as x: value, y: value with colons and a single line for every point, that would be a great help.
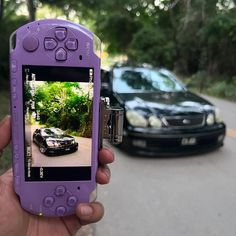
x: 58, y: 112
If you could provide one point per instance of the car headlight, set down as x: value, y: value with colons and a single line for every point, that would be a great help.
x: 56, y: 144
x: 218, y: 117
x: 73, y: 141
x: 155, y: 121
x: 210, y: 119
x: 50, y: 143
x: 135, y: 119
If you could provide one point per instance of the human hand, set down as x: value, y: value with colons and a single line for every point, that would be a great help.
x: 15, y: 221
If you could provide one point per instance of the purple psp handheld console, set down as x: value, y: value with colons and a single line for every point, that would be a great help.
x: 58, y: 117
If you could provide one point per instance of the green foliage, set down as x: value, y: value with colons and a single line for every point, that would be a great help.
x: 223, y: 89
x: 158, y: 50
x: 9, y: 22
x: 218, y: 86
x: 123, y: 28
x: 187, y: 36
x: 199, y: 81
x: 65, y: 106
x: 219, y: 37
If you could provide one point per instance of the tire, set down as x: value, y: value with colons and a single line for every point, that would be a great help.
x: 42, y: 149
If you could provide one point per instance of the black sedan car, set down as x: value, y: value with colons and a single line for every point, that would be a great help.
x: 53, y: 141
x: 161, y: 116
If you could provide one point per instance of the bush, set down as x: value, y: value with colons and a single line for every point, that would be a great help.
x: 224, y: 90
x: 198, y: 81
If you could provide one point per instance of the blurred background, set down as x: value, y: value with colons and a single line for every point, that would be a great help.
x: 195, y: 39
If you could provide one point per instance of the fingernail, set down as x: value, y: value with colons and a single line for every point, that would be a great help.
x: 86, y: 210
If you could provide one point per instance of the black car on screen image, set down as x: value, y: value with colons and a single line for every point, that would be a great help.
x: 162, y: 117
x: 53, y: 141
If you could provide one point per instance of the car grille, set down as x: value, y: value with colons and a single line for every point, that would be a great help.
x: 184, y: 121
x: 65, y: 143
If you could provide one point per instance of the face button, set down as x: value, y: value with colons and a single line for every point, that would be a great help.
x: 50, y: 43
x: 71, y: 44
x: 61, y: 54
x: 60, y: 190
x: 48, y: 201
x: 60, y: 33
x: 60, y: 211
x: 30, y: 43
x: 71, y: 201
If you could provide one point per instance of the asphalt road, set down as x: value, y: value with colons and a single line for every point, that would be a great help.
x: 182, y: 196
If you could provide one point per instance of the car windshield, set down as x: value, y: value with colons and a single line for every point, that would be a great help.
x: 141, y: 80
x: 51, y: 132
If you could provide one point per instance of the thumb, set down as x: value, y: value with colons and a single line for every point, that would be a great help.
x: 5, y: 132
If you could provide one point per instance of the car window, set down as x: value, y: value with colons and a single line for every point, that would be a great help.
x: 139, y: 80
x: 52, y: 131
x: 57, y: 131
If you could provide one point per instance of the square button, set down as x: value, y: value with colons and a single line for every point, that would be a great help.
x: 50, y: 43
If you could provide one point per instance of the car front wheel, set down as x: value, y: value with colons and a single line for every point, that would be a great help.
x: 42, y: 149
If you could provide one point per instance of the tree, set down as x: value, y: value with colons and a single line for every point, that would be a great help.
x: 12, y: 21
x: 31, y: 9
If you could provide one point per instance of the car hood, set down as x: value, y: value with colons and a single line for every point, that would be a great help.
x: 61, y: 138
x: 166, y: 103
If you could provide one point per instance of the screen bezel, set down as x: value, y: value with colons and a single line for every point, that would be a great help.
x: 73, y: 173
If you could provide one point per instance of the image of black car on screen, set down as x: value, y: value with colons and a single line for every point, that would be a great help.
x: 54, y: 142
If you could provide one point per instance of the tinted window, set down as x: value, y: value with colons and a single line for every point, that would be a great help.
x: 138, y: 80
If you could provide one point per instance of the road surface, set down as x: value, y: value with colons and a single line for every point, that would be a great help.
x: 184, y: 196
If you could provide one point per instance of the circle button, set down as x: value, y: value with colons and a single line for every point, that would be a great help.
x: 30, y: 43
x: 60, y: 211
x: 48, y: 201
x: 60, y: 190
x: 71, y: 201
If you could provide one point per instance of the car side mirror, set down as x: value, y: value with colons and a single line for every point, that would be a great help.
x: 105, y: 83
